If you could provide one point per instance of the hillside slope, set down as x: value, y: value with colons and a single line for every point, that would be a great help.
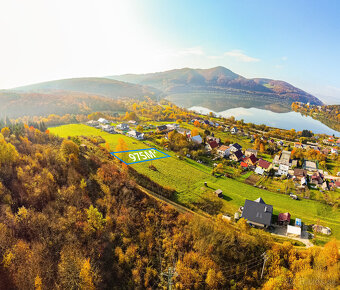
x: 98, y: 86
x: 15, y: 104
x: 220, y: 88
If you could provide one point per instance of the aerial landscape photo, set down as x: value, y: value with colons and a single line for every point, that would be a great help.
x: 162, y: 144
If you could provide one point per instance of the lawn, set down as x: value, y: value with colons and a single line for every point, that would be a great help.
x: 188, y: 177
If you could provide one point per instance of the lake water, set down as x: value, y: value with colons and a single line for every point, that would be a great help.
x: 290, y: 120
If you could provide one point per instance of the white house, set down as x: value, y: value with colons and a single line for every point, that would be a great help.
x: 136, y: 135
x: 293, y: 231
x: 235, y: 147
x: 248, y: 152
x: 123, y: 127
x: 223, y: 151
x: 197, y: 139
x: 103, y: 121
x: 283, y: 169
x: 234, y: 130
x: 108, y: 129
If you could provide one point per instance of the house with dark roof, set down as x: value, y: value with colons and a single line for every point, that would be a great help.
x: 162, y: 129
x: 123, y: 127
x: 257, y: 212
x: 235, y: 147
x: 236, y: 156
x: 234, y: 130
x: 136, y: 135
x: 211, y: 145
x: 251, y: 160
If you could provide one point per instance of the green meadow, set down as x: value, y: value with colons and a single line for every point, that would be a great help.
x: 188, y: 177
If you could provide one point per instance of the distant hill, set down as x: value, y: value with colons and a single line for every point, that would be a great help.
x: 96, y: 86
x: 15, y: 104
x: 220, y: 88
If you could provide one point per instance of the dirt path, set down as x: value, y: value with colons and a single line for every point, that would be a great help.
x: 178, y: 207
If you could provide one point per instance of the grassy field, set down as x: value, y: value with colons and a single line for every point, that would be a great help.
x: 188, y: 178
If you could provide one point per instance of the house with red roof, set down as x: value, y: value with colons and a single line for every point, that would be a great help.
x: 283, y: 218
x: 211, y: 145
x: 265, y: 165
x: 244, y: 165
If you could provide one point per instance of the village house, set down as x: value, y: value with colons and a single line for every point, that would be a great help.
x: 316, y: 178
x: 171, y: 127
x: 123, y: 127
x: 93, y: 123
x: 222, y: 151
x: 108, y: 129
x: 251, y: 160
x: 136, y: 135
x: 283, y: 170
x: 162, y: 129
x: 197, y: 139
x: 236, y: 156
x: 211, y: 145
x: 299, y: 145
x: 213, y: 138
x: 103, y: 121
x: 300, y: 173
x: 265, y: 165
x: 235, y: 147
x: 283, y: 218
x: 259, y: 170
x: 294, y: 231
x: 133, y: 122
x: 334, y: 151
x: 310, y: 166
x: 283, y: 159
x: 234, y: 130
x: 250, y: 151
x: 219, y: 193
x: 257, y: 212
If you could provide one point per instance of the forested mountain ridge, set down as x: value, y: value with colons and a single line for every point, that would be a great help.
x: 99, y: 86
x: 15, y: 104
x: 72, y: 217
x: 219, y: 83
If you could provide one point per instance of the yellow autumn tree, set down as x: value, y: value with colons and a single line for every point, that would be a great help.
x: 86, y: 276
x: 194, y: 132
x: 37, y: 283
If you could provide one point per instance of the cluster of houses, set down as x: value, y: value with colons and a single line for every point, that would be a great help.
x: 282, y: 165
x: 259, y: 214
x: 123, y: 128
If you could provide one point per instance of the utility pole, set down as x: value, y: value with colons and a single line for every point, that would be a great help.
x: 170, y: 274
x: 264, y: 263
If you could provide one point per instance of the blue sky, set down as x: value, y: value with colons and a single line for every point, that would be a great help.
x: 295, y: 41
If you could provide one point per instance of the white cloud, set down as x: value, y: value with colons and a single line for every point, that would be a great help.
x: 284, y: 58
x: 192, y: 51
x: 241, y: 56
